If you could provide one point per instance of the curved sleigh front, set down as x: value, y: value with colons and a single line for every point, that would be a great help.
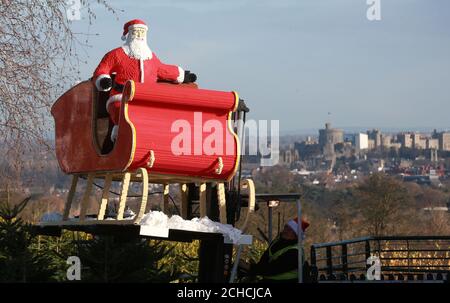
x: 76, y: 149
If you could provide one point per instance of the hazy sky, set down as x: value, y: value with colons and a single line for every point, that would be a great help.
x: 296, y: 61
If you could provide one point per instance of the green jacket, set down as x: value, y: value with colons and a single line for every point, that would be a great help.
x: 279, y: 263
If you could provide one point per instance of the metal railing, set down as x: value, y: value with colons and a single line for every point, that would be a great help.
x: 402, y: 258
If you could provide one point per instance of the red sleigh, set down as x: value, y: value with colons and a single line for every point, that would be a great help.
x: 167, y: 134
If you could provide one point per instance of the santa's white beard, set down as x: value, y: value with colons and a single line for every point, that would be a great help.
x: 137, y: 48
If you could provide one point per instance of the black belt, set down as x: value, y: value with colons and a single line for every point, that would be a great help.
x: 118, y: 87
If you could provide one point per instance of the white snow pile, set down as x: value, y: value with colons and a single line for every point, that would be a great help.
x: 52, y: 217
x: 160, y: 220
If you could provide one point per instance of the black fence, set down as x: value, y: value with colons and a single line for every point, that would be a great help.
x: 409, y: 258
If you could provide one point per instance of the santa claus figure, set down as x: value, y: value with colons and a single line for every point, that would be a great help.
x: 133, y: 61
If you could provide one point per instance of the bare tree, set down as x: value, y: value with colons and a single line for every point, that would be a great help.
x: 382, y: 201
x: 39, y: 58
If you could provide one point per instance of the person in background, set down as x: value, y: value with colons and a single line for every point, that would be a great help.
x: 279, y: 263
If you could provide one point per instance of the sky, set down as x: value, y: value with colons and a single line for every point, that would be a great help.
x: 301, y: 62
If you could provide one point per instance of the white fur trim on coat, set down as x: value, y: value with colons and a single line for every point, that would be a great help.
x: 180, y: 78
x: 114, y: 98
x: 141, y: 67
x: 137, y: 26
x: 97, y: 82
x: 114, y: 133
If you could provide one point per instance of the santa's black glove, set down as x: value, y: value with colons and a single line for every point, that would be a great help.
x: 106, y: 83
x: 242, y: 107
x: 189, y: 77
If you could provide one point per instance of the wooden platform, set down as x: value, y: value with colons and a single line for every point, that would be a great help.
x: 133, y: 230
x: 127, y: 227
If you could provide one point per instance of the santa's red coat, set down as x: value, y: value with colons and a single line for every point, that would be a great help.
x: 128, y: 68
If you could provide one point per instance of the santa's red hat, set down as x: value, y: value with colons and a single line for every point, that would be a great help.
x: 293, y: 224
x: 132, y: 24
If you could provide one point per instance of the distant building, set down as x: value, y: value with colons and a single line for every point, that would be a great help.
x: 307, y: 149
x: 435, y: 134
x: 328, y: 152
x: 350, y: 138
x: 434, y: 155
x: 361, y: 142
x: 386, y: 141
x: 418, y: 141
x: 330, y: 136
x: 444, y: 141
x: 396, y: 145
x: 432, y: 143
x: 289, y: 156
x: 310, y: 140
x: 375, y: 135
x: 371, y: 144
x: 406, y: 140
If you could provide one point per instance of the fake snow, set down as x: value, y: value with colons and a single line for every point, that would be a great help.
x: 158, y: 219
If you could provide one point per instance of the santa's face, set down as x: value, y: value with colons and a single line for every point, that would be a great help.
x: 138, y: 34
x: 136, y: 44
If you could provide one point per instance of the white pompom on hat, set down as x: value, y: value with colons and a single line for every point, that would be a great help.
x: 132, y: 24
